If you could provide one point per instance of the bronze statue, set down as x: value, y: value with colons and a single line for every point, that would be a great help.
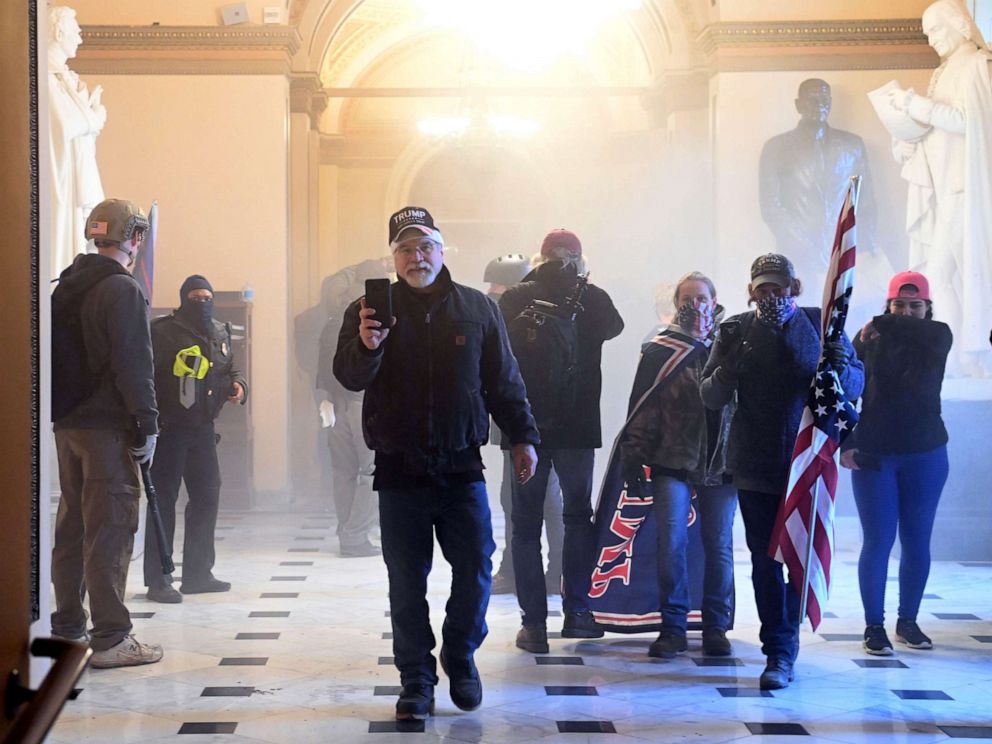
x: 803, y: 180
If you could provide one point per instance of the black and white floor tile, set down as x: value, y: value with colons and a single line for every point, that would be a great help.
x: 315, y: 665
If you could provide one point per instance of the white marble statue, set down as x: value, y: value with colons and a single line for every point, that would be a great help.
x: 77, y: 116
x: 949, y: 170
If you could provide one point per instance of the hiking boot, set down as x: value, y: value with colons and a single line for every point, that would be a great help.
x: 715, y: 642
x: 129, y: 652
x: 208, y: 586
x: 777, y: 675
x: 416, y: 702
x: 533, y: 638
x: 163, y: 593
x: 668, y: 645
x: 503, y: 584
x: 465, y: 685
x: 877, y: 641
x: 581, y: 625
x: 908, y: 632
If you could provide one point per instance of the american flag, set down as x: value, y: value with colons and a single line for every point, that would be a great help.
x: 827, y: 420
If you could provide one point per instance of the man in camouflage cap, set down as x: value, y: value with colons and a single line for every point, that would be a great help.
x: 106, y: 425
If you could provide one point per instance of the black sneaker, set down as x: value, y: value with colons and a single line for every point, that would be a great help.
x: 777, y: 675
x: 416, y: 702
x: 581, y: 625
x: 715, y: 642
x: 908, y: 632
x: 503, y: 584
x: 465, y: 685
x: 668, y: 645
x: 877, y: 641
x: 164, y: 593
x: 533, y: 638
x: 207, y: 586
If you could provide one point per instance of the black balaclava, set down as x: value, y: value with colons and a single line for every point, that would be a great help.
x: 198, y: 314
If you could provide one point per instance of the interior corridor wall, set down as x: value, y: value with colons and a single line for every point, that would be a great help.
x: 212, y: 150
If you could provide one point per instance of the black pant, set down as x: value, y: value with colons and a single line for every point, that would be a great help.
x: 574, y: 468
x: 777, y: 601
x: 459, y: 517
x: 190, y: 454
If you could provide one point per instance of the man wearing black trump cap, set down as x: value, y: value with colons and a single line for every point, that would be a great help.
x: 195, y: 375
x: 432, y: 375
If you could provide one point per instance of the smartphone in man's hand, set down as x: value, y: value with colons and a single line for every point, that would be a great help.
x: 379, y: 295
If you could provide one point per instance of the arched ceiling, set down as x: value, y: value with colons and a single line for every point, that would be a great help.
x: 356, y: 44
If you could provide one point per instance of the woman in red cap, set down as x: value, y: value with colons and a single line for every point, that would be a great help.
x: 898, y: 454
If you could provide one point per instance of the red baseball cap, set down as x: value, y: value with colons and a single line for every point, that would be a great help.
x: 913, y: 279
x: 562, y: 238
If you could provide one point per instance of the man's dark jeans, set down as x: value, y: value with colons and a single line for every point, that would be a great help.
x: 777, y: 602
x: 409, y: 518
x: 574, y: 468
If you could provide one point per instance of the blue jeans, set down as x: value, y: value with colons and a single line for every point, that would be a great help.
x: 777, y: 603
x: 574, y: 468
x: 409, y: 518
x: 715, y: 506
x: 903, y: 493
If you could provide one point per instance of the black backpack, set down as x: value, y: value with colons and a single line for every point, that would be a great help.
x: 72, y: 379
x: 545, y: 342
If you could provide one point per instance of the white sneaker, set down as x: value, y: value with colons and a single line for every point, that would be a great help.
x: 129, y: 652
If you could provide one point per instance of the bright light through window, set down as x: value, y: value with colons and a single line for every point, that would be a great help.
x: 527, y: 35
x: 444, y: 126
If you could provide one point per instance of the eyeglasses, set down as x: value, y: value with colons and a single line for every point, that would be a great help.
x: 424, y: 248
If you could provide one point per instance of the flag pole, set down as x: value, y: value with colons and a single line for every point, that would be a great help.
x: 855, y: 190
x: 810, y: 530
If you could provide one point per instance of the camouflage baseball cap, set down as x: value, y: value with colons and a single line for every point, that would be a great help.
x: 115, y: 220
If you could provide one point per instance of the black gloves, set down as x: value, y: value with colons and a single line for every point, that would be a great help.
x: 633, y: 474
x: 730, y: 365
x: 837, y: 354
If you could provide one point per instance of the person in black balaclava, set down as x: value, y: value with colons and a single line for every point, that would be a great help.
x: 195, y: 376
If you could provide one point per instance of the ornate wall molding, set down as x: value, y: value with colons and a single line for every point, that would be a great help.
x: 187, y: 50
x: 307, y: 96
x: 811, y: 45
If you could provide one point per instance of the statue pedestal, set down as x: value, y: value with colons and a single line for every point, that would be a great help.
x: 963, y: 528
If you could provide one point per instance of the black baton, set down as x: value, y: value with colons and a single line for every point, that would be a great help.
x: 163, y: 552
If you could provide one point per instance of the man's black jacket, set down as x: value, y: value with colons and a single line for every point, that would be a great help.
x: 171, y: 334
x: 432, y: 383
x: 598, y: 322
x: 114, y: 319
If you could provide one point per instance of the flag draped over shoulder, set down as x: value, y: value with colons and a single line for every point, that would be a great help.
x: 623, y: 596
x: 144, y: 265
x: 827, y: 420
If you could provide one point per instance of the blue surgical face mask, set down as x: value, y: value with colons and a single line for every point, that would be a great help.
x: 774, y: 312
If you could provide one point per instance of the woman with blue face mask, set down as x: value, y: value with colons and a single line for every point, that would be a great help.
x: 767, y: 358
x: 898, y: 454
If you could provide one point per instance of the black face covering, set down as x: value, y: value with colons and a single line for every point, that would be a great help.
x: 197, y: 313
